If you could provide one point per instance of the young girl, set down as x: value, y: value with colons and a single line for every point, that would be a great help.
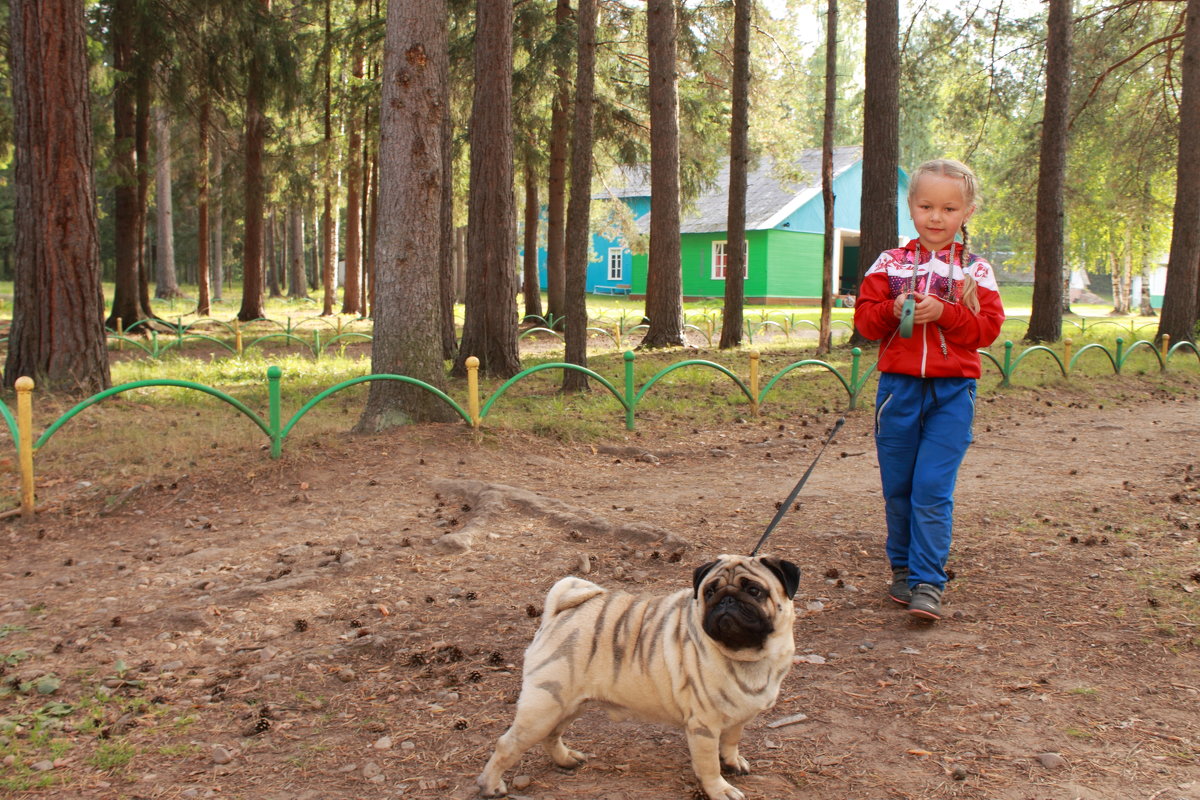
x: 926, y: 398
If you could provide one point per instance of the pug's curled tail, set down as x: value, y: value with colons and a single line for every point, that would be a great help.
x: 567, y: 594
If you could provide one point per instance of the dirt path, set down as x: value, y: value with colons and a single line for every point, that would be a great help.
x: 314, y: 628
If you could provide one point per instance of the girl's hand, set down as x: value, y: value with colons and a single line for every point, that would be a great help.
x: 929, y: 309
x: 898, y: 305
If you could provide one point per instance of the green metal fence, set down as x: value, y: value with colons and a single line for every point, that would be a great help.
x: 627, y: 395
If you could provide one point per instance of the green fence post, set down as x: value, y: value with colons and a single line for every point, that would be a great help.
x: 629, y: 394
x: 273, y: 375
x: 855, y: 358
x: 1120, y: 347
x: 1008, y: 346
x: 179, y: 334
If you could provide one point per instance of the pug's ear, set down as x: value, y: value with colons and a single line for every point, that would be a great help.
x: 787, y: 573
x: 698, y: 576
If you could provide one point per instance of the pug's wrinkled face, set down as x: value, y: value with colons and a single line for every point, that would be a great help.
x: 742, y: 597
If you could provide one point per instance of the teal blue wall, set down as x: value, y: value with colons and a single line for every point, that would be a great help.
x: 847, y: 204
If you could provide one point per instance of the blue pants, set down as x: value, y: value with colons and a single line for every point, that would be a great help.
x: 922, y: 430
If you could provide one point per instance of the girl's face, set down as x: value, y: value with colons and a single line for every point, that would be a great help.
x: 938, y: 210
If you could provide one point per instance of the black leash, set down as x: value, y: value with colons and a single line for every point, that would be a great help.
x: 837, y: 426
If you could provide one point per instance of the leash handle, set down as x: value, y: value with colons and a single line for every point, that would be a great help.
x: 783, y: 509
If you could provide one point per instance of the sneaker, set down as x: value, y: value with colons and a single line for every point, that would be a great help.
x: 899, y: 592
x: 926, y: 601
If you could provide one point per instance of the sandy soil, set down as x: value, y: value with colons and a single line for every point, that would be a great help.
x: 313, y: 628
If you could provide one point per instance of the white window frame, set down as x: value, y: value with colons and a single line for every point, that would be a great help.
x: 720, y: 260
x: 616, y: 256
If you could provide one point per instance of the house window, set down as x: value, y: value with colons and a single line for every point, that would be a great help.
x: 720, y: 259
x: 616, y: 263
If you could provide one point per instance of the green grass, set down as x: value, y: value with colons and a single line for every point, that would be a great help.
x: 112, y: 755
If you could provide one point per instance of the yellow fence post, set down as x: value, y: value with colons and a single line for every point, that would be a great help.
x: 473, y: 389
x: 754, y: 357
x: 120, y: 332
x: 1067, y: 355
x: 24, y: 387
x: 1166, y: 347
x: 237, y: 335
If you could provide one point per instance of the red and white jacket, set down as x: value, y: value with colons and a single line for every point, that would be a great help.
x: 947, y: 348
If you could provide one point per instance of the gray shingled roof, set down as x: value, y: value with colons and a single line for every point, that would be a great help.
x: 767, y: 196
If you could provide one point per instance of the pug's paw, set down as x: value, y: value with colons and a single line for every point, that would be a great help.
x: 568, y: 759
x: 721, y: 789
x: 736, y: 766
x: 490, y: 787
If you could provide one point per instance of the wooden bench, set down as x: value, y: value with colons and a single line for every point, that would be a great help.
x: 618, y: 288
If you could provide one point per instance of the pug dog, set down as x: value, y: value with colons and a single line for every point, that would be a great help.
x: 706, y: 659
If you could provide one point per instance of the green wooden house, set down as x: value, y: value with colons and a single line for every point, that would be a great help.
x: 784, y: 230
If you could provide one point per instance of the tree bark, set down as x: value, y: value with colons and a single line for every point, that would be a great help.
x: 445, y: 260
x: 143, y: 90
x: 203, y: 299
x: 664, y: 271
x: 127, y: 306
x: 167, y: 283
x: 530, y: 285
x: 556, y: 201
x: 297, y: 281
x: 1180, y: 302
x: 579, y: 207
x: 57, y: 336
x: 1045, y: 320
x: 352, y: 290
x: 825, y: 333
x: 328, y: 257
x: 271, y: 256
x: 490, y: 328
x: 217, y: 221
x: 881, y: 136
x: 407, y: 312
x: 256, y: 124
x: 739, y: 158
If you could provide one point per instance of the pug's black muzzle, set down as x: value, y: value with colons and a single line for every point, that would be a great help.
x: 736, y: 623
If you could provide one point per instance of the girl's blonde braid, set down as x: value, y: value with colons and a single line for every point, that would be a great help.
x: 970, y: 294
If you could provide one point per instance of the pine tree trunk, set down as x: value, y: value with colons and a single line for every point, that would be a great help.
x: 530, y: 285
x: 460, y: 264
x: 739, y: 157
x: 143, y: 90
x: 167, y: 285
x: 217, y: 220
x: 203, y: 300
x: 1180, y: 302
x: 252, y: 289
x: 297, y: 281
x: 1045, y: 321
x: 127, y: 306
x: 372, y: 261
x: 270, y: 256
x: 664, y: 270
x: 407, y: 313
x: 579, y: 206
x: 556, y: 202
x: 881, y: 137
x: 490, y: 327
x: 825, y: 334
x: 352, y: 293
x: 57, y: 335
x: 446, y: 238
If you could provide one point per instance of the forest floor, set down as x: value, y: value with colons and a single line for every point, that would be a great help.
x: 313, y: 628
